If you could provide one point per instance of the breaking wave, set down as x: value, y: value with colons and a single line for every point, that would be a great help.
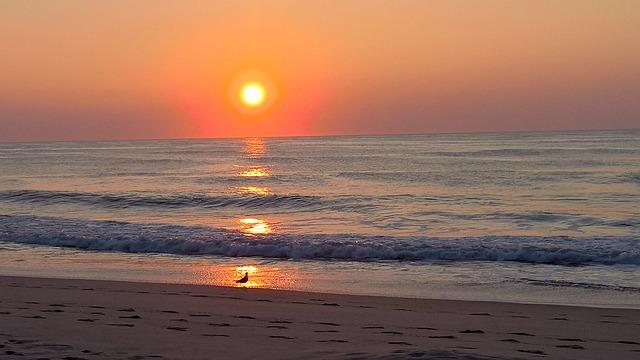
x: 199, y: 240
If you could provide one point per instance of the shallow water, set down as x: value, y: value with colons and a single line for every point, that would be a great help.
x: 543, y: 210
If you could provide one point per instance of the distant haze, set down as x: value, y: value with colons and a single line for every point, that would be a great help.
x: 85, y: 70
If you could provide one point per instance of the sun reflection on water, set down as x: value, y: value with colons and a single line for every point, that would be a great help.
x: 253, y: 227
x: 259, y: 277
x: 254, y: 147
x: 254, y: 190
x: 255, y: 171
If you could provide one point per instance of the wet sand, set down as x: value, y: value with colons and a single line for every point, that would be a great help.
x: 89, y: 319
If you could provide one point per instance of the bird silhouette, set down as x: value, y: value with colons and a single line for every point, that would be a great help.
x: 244, y: 279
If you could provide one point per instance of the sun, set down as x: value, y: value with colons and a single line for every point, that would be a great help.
x: 252, y: 94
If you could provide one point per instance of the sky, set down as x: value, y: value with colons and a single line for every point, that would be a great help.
x: 101, y: 70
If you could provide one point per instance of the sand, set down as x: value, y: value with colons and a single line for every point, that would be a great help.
x: 88, y: 319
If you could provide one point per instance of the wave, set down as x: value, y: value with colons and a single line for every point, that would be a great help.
x: 199, y: 240
x: 582, y: 285
x: 245, y: 201
x: 538, y: 151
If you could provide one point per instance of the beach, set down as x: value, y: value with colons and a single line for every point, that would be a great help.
x: 90, y: 319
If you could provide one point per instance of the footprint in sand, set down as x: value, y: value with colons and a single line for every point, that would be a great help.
x: 510, y: 340
x: 130, y: 317
x: 176, y: 328
x: 521, y: 334
x: 54, y: 347
x: 95, y: 353
x: 328, y: 323
x: 22, y: 341
x: 332, y: 341
x: 244, y: 317
x: 199, y: 315
x: 535, y: 352
x: 627, y: 342
x: 220, y: 324
x: 399, y: 343
x: 11, y: 352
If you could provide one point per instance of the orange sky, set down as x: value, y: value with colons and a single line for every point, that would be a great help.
x: 148, y: 69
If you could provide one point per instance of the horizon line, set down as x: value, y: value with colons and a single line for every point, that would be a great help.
x: 323, y: 135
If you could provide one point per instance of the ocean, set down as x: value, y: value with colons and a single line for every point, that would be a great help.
x: 542, y: 217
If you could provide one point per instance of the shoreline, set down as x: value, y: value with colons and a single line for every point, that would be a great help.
x: 90, y: 319
x: 294, y: 292
x: 470, y: 281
